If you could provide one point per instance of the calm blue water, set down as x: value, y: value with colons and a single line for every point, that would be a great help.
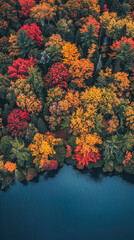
x: 68, y: 206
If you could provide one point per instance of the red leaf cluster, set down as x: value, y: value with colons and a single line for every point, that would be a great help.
x: 26, y: 6
x: 17, y: 122
x: 19, y: 68
x: 57, y: 76
x: 34, y: 32
x: 52, y: 165
x: 105, y: 8
x: 132, y: 14
x: 86, y: 157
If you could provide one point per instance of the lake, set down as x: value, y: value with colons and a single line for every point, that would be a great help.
x: 69, y: 205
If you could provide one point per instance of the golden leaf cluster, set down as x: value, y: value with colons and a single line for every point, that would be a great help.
x: 42, y: 148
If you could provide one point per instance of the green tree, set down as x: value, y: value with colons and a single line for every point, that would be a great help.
x: 88, y: 38
x: 19, y: 152
x: 35, y: 79
x: 24, y: 44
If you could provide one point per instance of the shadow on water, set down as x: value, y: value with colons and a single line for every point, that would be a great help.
x: 95, y: 174
x: 52, y: 174
x: 128, y: 178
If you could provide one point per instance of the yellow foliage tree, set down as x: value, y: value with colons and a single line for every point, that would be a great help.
x: 129, y: 114
x: 114, y: 25
x: 83, y: 121
x: 92, y: 5
x: 25, y: 97
x: 88, y: 142
x: 103, y: 99
x: 30, y: 102
x: 55, y: 95
x: 43, y: 11
x: 55, y: 39
x: 42, y: 148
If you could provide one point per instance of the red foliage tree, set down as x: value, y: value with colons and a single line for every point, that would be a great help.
x: 34, y: 32
x: 19, y: 68
x: 52, y: 165
x: 26, y: 6
x: 17, y: 122
x: 86, y: 157
x: 57, y: 76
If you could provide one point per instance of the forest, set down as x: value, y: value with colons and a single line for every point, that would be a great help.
x: 66, y: 86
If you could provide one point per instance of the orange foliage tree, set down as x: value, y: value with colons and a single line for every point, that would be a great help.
x: 10, y: 166
x: 80, y: 71
x: 70, y: 53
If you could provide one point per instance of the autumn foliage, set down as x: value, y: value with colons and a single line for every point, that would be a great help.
x: 19, y: 68
x: 66, y: 86
x: 42, y: 149
x: 57, y: 76
x: 34, y: 32
x: 17, y: 122
x: 26, y: 6
x: 120, y: 43
x: 86, y: 157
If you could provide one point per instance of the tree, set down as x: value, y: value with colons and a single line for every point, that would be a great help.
x: 9, y: 166
x: 70, y: 53
x: 81, y: 70
x: 57, y: 75
x: 129, y: 115
x: 43, y: 11
x: 25, y: 96
x: 5, y: 62
x: 26, y: 6
x: 83, y: 120
x: 33, y: 32
x: 8, y: 16
x: 88, y: 38
x: 42, y: 149
x: 86, y: 157
x: 13, y: 48
x: 21, y: 45
x: 86, y: 149
x: 123, y: 51
x: 19, y: 152
x: 66, y: 29
x: 17, y: 122
x: 4, y: 84
x: 55, y: 39
x: 20, y: 68
x: 35, y: 79
x: 116, y: 27
x: 95, y: 24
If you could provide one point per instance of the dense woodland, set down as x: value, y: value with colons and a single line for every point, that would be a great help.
x: 66, y: 86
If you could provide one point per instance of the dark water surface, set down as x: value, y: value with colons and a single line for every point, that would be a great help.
x: 68, y: 206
